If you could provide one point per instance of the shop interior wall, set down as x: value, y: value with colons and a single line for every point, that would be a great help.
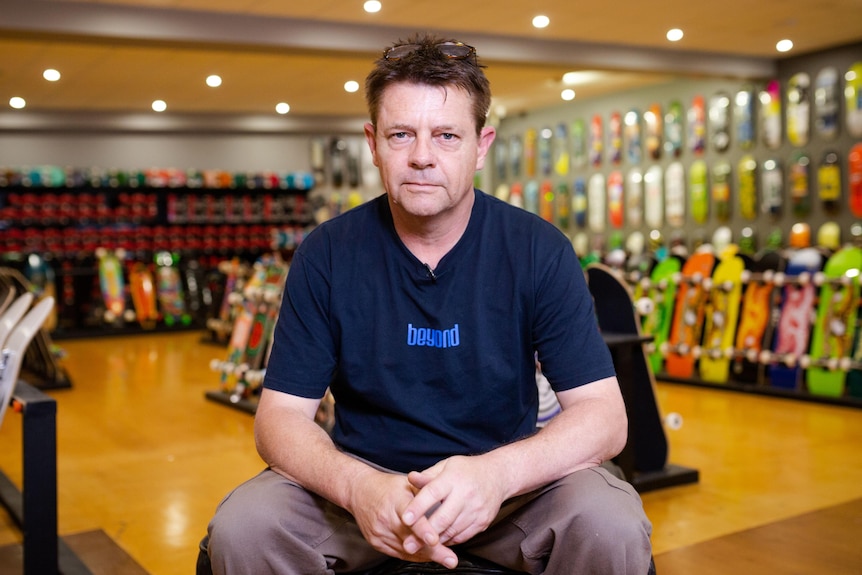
x: 684, y: 90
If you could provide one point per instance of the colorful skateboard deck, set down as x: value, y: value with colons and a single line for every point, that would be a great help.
x: 635, y: 197
x: 673, y: 129
x: 654, y: 122
x: 43, y: 282
x: 530, y: 138
x: 169, y: 290
x: 633, y: 137
x: 697, y: 125
x: 743, y: 116
x: 854, y: 179
x: 772, y: 186
x: 770, y: 114
x: 596, y: 203
x: 112, y: 285
x: 546, y: 201
x: 654, y: 197
x: 579, y: 202
x: 719, y: 121
x: 531, y: 197
x: 546, y: 136
x: 657, y: 316
x: 853, y: 99
x: 829, y: 181
x: 578, y: 135
x: 563, y: 208
x: 674, y: 195
x: 747, y: 177
x: 688, y: 315
x: 616, y: 314
x: 826, y: 103
x: 143, y: 289
x: 755, y: 322
x: 615, y: 199
x: 793, y: 330
x: 722, y: 312
x: 798, y: 109
x: 720, y: 191
x: 596, y: 141
x: 562, y: 157
x: 615, y: 138
x: 834, y: 327
x: 698, y: 191
x: 799, y: 174
x: 516, y: 153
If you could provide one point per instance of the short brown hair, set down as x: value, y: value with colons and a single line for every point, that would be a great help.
x: 427, y: 65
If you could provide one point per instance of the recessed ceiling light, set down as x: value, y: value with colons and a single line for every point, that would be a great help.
x: 784, y: 45
x: 17, y: 102
x: 580, y: 78
x: 674, y: 35
x: 51, y: 75
x: 372, y: 6
x: 214, y: 81
x: 541, y: 21
x: 351, y: 86
x: 159, y: 105
x: 568, y: 94
x: 282, y: 107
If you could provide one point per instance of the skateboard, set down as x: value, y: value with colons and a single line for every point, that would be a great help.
x: 579, y: 202
x: 770, y: 114
x: 829, y: 182
x: 596, y: 143
x: 562, y: 159
x: 516, y: 152
x: 756, y: 319
x: 772, y: 186
x: 854, y: 179
x: 143, y: 289
x: 826, y: 104
x: 169, y: 290
x: 656, y: 307
x: 615, y: 199
x: 516, y: 195
x: 43, y: 283
x: 853, y: 99
x: 653, y: 120
x: 800, y: 235
x: 530, y: 137
x: 17, y: 339
x: 747, y: 178
x: 743, y: 116
x: 596, y: 203
x: 798, y: 109
x: 546, y: 201
x: 654, y: 197
x: 674, y: 195
x: 747, y: 241
x: 318, y: 160
x: 721, y: 313
x: 615, y: 138
x: 501, y: 160
x: 829, y: 237
x: 578, y: 134
x: 720, y: 191
x: 546, y: 136
x: 635, y: 197
x: 719, y: 121
x: 531, y: 197
x: 563, y: 206
x: 793, y: 329
x: 112, y: 285
x: 689, y: 309
x: 633, y: 138
x: 673, y: 129
x: 835, y: 324
x: 697, y: 125
x: 799, y: 174
x: 698, y: 191
x: 615, y: 312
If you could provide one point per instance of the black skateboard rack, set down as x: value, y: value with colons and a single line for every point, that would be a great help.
x: 34, y: 507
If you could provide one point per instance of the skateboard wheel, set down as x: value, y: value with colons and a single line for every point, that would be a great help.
x: 752, y: 355
x: 845, y: 363
x: 768, y: 276
x: 664, y: 347
x: 779, y: 278
x: 696, y: 351
x: 804, y: 362
x: 818, y: 278
x: 728, y: 353
x: 645, y: 306
x: 241, y: 369
x: 832, y: 363
x: 673, y: 421
x: 214, y: 364
x: 765, y: 357
x: 746, y: 276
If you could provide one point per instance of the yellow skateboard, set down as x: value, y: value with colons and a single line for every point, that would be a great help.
x: 722, y: 313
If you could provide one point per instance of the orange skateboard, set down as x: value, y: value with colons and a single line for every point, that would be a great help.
x: 689, y: 312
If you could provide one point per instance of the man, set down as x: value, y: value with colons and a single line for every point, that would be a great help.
x: 423, y: 311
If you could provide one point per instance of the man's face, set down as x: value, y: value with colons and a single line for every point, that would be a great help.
x: 426, y: 147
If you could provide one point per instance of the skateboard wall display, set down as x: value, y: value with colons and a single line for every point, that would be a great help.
x: 615, y: 199
x: 719, y: 121
x: 834, y: 327
x: 826, y: 103
x: 724, y: 294
x: 633, y: 136
x: 793, y: 329
x: 853, y: 99
x: 798, y: 109
x: 687, y: 329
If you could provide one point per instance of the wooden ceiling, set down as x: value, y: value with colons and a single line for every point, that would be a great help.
x: 119, y: 55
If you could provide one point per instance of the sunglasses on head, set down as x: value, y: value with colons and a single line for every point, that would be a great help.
x: 451, y: 50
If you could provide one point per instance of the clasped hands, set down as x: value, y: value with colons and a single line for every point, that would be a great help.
x: 417, y: 517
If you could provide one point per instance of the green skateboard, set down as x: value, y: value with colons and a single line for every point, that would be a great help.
x: 698, y: 191
x: 656, y: 308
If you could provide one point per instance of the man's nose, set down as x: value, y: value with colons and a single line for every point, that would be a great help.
x: 422, y: 153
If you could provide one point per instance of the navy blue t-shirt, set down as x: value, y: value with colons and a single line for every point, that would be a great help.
x: 423, y: 366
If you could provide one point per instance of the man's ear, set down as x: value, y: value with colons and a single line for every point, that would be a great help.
x: 486, y: 138
x: 370, y: 133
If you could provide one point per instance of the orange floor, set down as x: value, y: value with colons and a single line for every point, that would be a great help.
x: 144, y: 457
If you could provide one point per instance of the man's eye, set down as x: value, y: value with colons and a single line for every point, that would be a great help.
x: 399, y: 135
x: 448, y: 136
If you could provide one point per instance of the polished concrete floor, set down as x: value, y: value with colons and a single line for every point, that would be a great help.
x: 144, y: 457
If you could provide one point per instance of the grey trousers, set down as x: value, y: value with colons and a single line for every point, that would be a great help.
x: 587, y: 523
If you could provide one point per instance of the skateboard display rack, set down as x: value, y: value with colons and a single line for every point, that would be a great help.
x: 202, y: 217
